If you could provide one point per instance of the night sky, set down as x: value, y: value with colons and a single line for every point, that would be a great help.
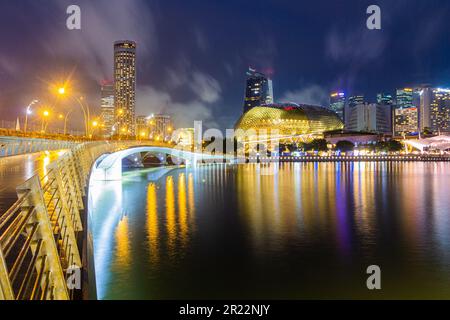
x: 193, y: 55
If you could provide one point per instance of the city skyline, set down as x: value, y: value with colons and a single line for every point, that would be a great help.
x: 271, y: 152
x: 341, y: 54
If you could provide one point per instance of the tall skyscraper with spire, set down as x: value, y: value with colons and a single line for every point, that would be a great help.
x: 125, y: 87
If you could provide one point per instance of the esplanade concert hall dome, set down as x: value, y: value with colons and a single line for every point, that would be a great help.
x: 290, y: 119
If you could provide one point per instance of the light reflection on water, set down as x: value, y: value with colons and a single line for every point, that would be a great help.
x: 301, y: 230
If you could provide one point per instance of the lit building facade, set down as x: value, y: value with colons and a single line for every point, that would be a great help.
x: 289, y: 119
x: 161, y: 127
x: 440, y: 111
x: 385, y: 99
x: 125, y: 86
x: 405, y: 113
x: 258, y: 90
x: 107, y: 109
x: 142, y: 127
x: 355, y: 100
x: 406, y: 121
x: 373, y: 118
x: 337, y: 103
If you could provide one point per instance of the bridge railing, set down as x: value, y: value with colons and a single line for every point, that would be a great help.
x: 41, y: 234
x: 14, y: 147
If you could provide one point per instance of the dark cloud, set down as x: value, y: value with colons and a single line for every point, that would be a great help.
x: 192, y: 55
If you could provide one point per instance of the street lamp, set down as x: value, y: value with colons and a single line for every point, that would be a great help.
x: 45, y: 115
x: 84, y: 107
x: 27, y: 113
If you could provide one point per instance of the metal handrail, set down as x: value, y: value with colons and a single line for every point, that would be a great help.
x: 38, y: 233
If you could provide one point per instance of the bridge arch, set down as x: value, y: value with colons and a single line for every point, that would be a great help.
x: 109, y: 166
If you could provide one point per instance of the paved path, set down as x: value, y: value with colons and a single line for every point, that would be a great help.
x: 16, y: 170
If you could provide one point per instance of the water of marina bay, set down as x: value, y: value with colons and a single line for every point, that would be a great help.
x: 281, y: 231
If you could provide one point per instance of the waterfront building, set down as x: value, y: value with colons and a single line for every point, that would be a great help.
x: 142, y: 127
x: 405, y: 112
x: 405, y: 121
x: 125, y: 86
x: 161, y: 127
x: 369, y: 117
x: 107, y: 108
x: 357, y: 138
x: 337, y: 103
x: 258, y: 90
x: 290, y: 119
x: 434, y: 110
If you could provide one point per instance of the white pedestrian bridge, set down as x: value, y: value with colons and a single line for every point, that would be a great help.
x: 109, y: 166
x: 47, y: 224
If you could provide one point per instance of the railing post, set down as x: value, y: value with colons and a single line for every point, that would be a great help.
x: 71, y: 222
x: 6, y: 291
x: 33, y: 194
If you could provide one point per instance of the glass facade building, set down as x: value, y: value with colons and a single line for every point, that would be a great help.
x: 406, y: 113
x: 384, y: 98
x: 355, y: 100
x: 337, y: 103
x: 258, y: 90
x: 440, y: 111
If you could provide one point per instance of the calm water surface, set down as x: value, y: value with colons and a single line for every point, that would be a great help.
x: 290, y: 231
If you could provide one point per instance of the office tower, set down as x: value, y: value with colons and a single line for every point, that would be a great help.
x: 107, y: 108
x: 371, y: 117
x: 426, y: 99
x: 383, y: 98
x: 337, y: 103
x: 404, y: 98
x: 161, y: 127
x: 125, y: 86
x: 405, y: 113
x: 142, y: 128
x: 440, y: 111
x: 355, y: 100
x: 258, y: 90
x: 406, y: 121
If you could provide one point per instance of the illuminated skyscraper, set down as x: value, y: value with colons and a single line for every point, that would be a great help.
x: 125, y: 86
x: 107, y: 108
x: 337, y: 103
x: 258, y: 90
x: 404, y: 98
x: 405, y: 113
x: 385, y: 99
x: 440, y: 110
x: 355, y: 100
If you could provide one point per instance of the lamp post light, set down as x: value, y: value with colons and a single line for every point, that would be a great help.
x: 45, y: 115
x: 84, y: 107
x: 66, y: 117
x: 27, y: 113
